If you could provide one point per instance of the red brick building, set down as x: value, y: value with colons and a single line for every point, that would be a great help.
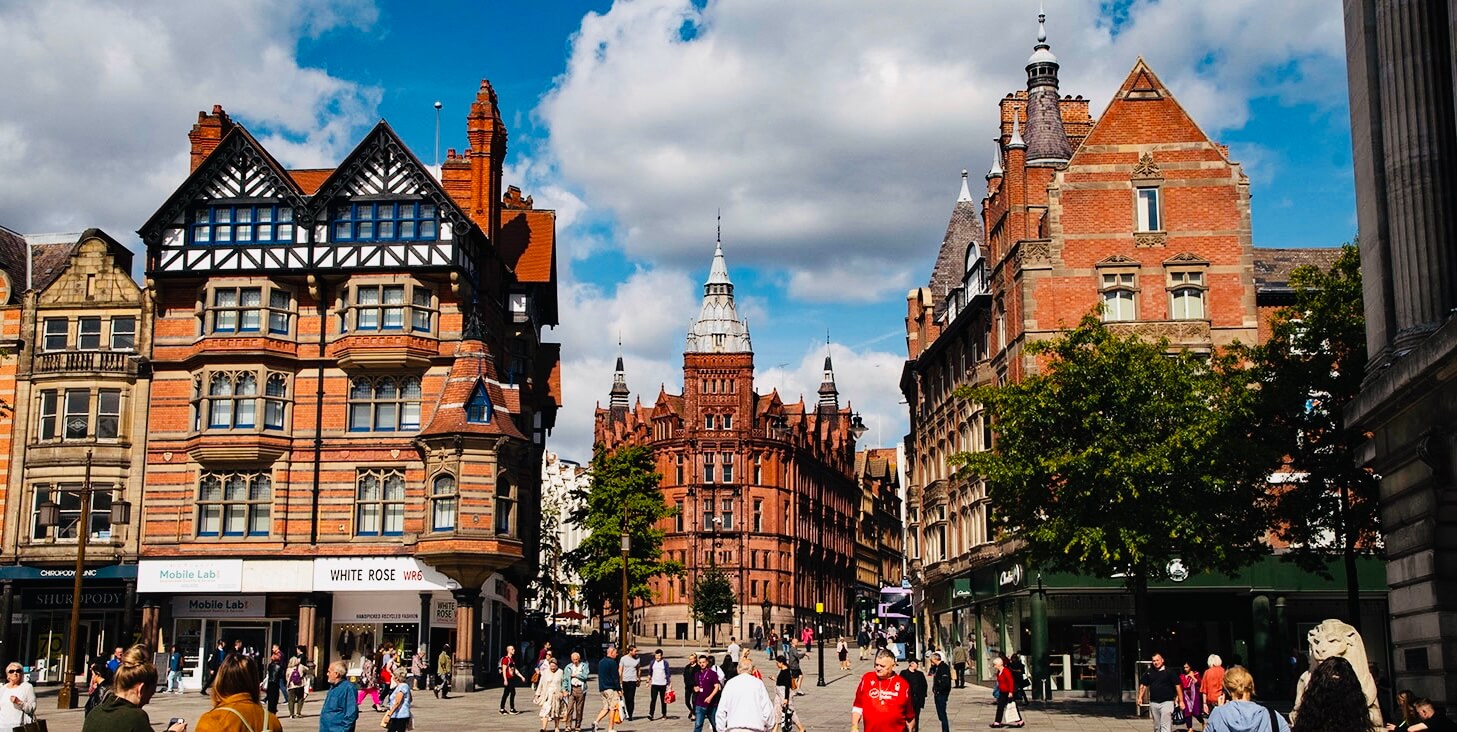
x: 350, y: 397
x: 1137, y: 216
x: 764, y: 490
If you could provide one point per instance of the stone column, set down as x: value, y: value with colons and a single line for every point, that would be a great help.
x: 151, y: 621
x: 307, y: 615
x: 1419, y: 138
x: 427, y: 613
x: 1363, y: 73
x: 467, y: 612
x: 7, y: 604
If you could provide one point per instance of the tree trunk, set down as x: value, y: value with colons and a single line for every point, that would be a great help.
x: 1348, y: 546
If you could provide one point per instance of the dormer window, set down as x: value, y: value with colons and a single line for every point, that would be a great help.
x: 242, y: 224
x: 478, y: 409
x: 385, y: 221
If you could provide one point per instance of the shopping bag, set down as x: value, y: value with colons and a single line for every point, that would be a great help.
x: 1178, y: 716
x: 617, y: 714
x: 1012, y: 715
x: 670, y: 696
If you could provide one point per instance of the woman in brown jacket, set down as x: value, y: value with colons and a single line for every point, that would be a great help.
x: 235, y: 700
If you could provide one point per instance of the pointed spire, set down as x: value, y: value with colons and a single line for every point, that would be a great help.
x: 1016, y: 139
x: 965, y: 190
x: 619, y: 393
x: 718, y: 328
x: 996, y: 171
x: 829, y: 393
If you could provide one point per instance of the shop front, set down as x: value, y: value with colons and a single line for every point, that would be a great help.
x: 1079, y: 635
x: 201, y: 602
x: 37, y: 601
x: 381, y: 603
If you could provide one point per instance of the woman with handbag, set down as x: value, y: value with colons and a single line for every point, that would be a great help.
x: 397, y: 716
x: 17, y: 703
x: 235, y: 697
x: 369, y: 682
x: 132, y: 687
x: 295, y: 677
x: 548, y: 694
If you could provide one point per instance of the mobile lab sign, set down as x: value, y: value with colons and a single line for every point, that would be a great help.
x: 190, y: 575
x: 236, y: 606
x: 377, y: 574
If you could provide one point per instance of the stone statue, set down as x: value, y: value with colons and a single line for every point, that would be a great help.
x: 1335, y: 638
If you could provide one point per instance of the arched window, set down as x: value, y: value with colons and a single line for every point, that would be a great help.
x: 384, y: 404
x: 275, y: 393
x: 379, y: 508
x: 443, y: 502
x: 234, y: 504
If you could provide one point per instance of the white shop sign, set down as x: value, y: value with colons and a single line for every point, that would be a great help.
x: 442, y: 613
x: 190, y: 575
x: 386, y: 607
x: 224, y: 606
x: 378, y: 574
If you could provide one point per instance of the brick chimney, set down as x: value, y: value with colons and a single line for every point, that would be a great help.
x: 486, y: 134
x: 207, y: 133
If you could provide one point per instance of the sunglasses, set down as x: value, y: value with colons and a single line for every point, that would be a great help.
x: 12, y: 670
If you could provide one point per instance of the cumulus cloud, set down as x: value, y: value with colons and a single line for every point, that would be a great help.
x: 866, y: 378
x: 831, y: 134
x: 96, y: 135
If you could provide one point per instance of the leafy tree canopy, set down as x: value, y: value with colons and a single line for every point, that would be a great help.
x: 1121, y: 454
x: 623, y: 495
x: 1307, y: 372
x: 713, y: 598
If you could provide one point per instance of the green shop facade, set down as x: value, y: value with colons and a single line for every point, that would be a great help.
x: 1079, y: 638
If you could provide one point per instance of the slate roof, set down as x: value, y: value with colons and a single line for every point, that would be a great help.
x: 12, y: 262
x: 962, y: 230
x: 473, y: 365
x: 1046, y: 138
x: 1273, y: 266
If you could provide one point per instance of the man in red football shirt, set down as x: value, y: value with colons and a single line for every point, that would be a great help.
x: 883, y: 698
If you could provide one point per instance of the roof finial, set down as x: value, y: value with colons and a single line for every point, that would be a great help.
x: 1041, y: 20
x: 996, y: 171
x: 965, y: 194
x: 1016, y: 139
x: 719, y: 234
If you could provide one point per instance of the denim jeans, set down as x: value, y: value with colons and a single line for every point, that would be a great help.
x: 702, y: 713
x: 174, y: 681
x: 941, y: 713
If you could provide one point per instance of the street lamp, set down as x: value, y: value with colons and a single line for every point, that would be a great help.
x: 857, y: 426
x: 767, y: 607
x: 820, y: 636
x: 48, y: 515
x: 622, y: 625
x: 713, y: 572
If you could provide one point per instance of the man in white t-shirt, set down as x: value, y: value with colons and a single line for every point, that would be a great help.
x: 627, y: 667
x: 660, y: 676
x: 731, y: 659
x: 745, y: 704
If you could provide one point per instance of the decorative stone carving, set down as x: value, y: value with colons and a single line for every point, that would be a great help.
x: 1031, y: 253
x: 1147, y: 169
x: 1116, y: 259
x: 1186, y: 258
x: 1174, y: 331
x: 1150, y: 239
x: 1335, y: 638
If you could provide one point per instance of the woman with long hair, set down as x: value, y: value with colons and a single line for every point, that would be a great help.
x: 1193, y: 696
x: 369, y: 681
x: 295, y: 677
x: 132, y: 686
x: 235, y: 699
x: 1406, y: 706
x: 1333, y: 700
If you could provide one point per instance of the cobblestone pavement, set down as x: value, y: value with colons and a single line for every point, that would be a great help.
x: 820, y: 709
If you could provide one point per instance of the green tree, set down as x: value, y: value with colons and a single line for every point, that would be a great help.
x: 1323, y: 505
x: 622, y: 497
x: 1120, y: 455
x: 548, y: 581
x: 713, y: 601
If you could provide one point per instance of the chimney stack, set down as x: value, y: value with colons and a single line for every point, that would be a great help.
x: 207, y: 133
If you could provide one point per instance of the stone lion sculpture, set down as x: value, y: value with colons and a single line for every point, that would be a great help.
x: 1335, y: 638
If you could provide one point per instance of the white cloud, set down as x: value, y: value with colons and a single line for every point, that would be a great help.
x: 100, y: 96
x: 831, y: 134
x: 867, y: 380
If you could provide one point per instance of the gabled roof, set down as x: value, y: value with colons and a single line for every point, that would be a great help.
x: 309, y: 179
x: 473, y: 367
x: 1143, y: 109
x: 527, y: 244
x: 217, y: 170
x: 12, y: 262
x: 963, y: 230
x: 403, y: 171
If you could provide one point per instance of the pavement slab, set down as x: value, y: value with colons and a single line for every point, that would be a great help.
x: 821, y: 708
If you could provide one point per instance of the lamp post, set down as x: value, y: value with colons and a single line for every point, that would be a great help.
x: 48, y: 515
x: 820, y: 637
x: 622, y: 625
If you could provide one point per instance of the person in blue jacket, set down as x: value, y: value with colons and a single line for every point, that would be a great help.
x: 341, y: 706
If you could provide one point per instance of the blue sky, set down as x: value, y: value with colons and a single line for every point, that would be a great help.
x: 830, y: 134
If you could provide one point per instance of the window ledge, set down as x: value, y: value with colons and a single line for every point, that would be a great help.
x: 227, y: 447
x: 384, y: 351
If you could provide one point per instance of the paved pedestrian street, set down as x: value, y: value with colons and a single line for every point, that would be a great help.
x: 821, y: 708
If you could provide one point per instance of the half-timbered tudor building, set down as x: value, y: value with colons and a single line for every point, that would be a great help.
x: 351, y: 397
x: 764, y: 490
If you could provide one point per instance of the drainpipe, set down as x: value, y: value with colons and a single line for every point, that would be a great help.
x: 319, y: 417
